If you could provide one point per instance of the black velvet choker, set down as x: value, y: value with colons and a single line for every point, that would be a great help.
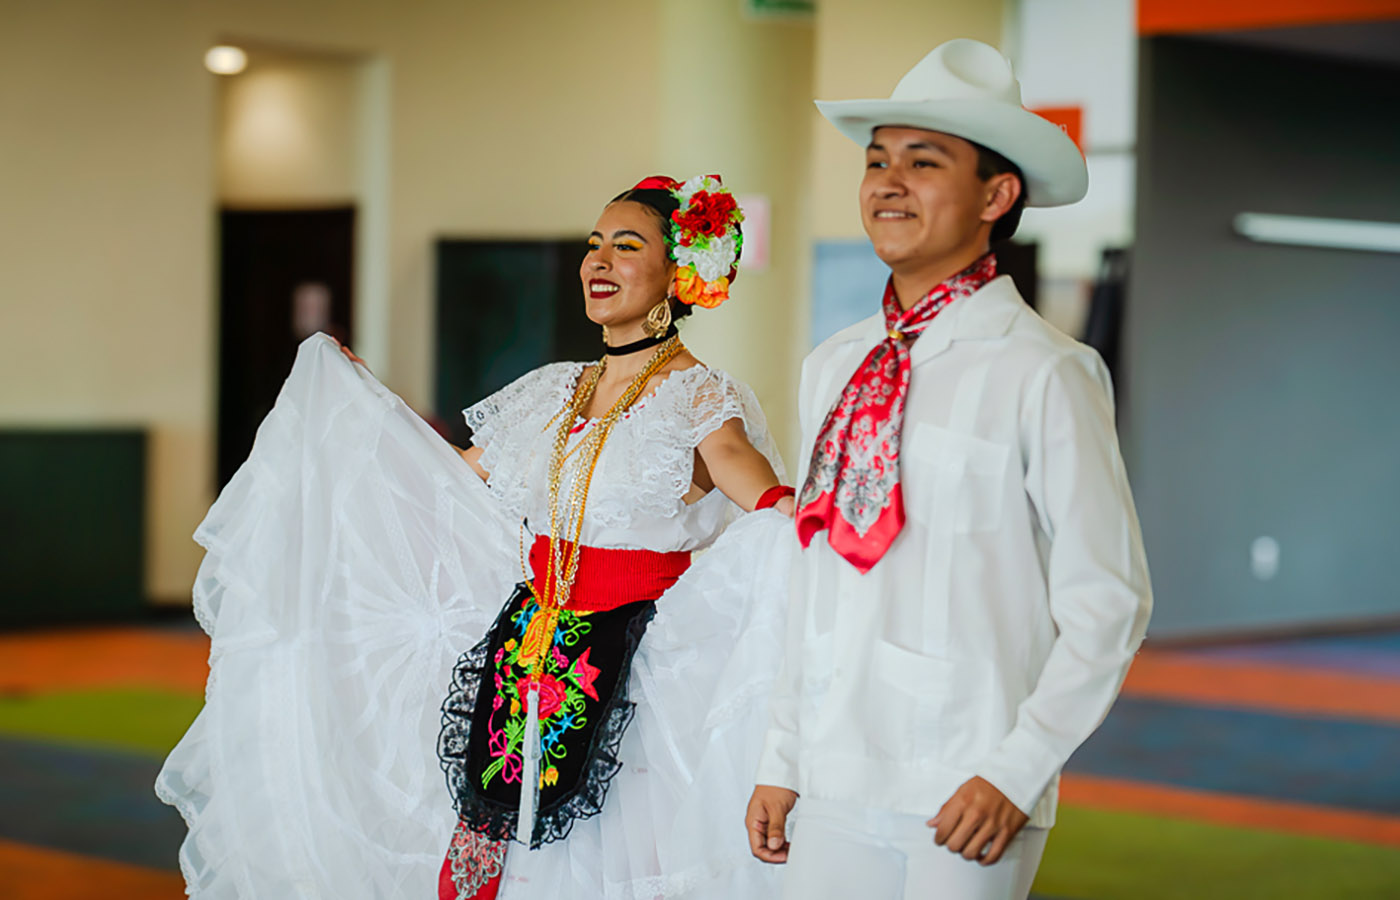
x: 644, y: 344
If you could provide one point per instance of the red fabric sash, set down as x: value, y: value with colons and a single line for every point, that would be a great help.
x: 852, y: 489
x: 609, y: 578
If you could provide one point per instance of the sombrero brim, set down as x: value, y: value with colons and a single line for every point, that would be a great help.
x: 1053, y: 167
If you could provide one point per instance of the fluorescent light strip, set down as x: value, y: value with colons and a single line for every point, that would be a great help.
x: 1306, y: 231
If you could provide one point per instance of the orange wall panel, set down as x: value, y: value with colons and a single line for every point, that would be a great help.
x: 1069, y: 118
x: 1184, y: 16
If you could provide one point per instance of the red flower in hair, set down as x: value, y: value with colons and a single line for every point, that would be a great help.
x: 708, y: 214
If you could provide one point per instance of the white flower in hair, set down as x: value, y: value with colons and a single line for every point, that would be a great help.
x: 713, y: 261
x: 698, y: 183
x: 706, y: 241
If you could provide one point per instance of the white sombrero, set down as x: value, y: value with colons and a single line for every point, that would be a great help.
x: 967, y: 89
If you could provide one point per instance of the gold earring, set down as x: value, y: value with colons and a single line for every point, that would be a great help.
x: 607, y: 339
x: 658, y: 319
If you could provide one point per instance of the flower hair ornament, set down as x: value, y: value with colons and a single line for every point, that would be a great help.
x: 705, y: 238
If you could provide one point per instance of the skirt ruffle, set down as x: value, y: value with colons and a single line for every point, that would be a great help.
x: 350, y: 562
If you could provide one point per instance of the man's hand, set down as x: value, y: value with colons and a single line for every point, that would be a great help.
x: 976, y: 816
x: 767, y: 821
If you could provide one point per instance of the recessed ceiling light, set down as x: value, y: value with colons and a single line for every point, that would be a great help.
x: 225, y: 60
x: 1310, y: 231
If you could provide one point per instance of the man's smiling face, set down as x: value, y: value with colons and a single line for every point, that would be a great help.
x: 921, y: 198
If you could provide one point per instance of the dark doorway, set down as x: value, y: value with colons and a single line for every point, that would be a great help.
x: 504, y: 308
x: 284, y: 276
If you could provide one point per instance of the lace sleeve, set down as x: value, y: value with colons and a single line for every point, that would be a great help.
x: 513, y: 403
x: 653, y: 474
x: 716, y: 399
x: 507, y: 426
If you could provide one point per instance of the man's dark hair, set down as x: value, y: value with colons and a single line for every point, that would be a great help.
x: 990, y: 163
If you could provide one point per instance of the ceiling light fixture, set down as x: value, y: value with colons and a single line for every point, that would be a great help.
x: 1308, y: 231
x: 225, y: 60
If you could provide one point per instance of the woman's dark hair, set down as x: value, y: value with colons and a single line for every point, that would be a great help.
x: 661, y: 204
x: 990, y: 163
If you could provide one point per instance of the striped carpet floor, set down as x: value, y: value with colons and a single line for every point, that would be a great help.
x: 1268, y: 770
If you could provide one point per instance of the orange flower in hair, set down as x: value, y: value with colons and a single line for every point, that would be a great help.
x: 705, y: 241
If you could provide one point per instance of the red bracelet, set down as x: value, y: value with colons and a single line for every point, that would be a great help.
x: 773, y: 495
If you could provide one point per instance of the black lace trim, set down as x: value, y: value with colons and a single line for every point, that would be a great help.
x: 554, y: 821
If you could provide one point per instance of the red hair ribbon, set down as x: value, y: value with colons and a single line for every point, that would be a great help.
x: 656, y: 183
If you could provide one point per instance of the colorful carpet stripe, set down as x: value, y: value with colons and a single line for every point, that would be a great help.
x: 172, y: 659
x: 86, y: 801
x: 1230, y: 772
x: 39, y: 873
x: 1333, y: 762
x: 1237, y: 682
x: 1121, y: 795
x: 1370, y: 654
x: 1099, y: 855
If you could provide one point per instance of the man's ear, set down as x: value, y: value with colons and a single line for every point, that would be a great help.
x: 1002, y: 193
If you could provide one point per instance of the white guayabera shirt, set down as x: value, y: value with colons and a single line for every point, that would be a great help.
x: 993, y: 636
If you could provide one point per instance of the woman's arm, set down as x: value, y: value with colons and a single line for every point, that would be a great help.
x: 473, y: 457
x: 738, y: 469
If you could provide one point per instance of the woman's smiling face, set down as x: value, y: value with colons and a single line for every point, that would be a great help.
x: 627, y: 269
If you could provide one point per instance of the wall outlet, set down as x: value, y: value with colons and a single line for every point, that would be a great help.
x: 1263, y: 558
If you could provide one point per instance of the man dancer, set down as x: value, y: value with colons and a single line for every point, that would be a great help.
x: 969, y: 614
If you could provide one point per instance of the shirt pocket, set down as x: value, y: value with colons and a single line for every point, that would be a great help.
x: 961, y: 483
x: 912, y: 692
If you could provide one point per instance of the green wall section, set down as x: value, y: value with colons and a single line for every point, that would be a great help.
x: 72, y: 511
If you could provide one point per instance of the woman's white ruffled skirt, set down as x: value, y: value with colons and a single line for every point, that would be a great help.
x: 350, y: 561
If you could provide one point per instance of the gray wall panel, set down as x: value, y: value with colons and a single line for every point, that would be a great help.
x: 1262, y: 381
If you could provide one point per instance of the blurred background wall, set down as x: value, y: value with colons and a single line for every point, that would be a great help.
x: 431, y: 119
x: 417, y: 177
x: 1263, y: 414
x: 128, y: 170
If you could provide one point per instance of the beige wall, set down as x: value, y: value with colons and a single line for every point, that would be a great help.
x: 501, y: 123
x: 466, y: 119
x: 491, y: 120
x: 107, y: 175
x: 862, y: 50
x: 288, y: 131
x: 745, y: 119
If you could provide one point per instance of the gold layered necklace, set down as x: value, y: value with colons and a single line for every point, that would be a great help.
x: 566, y: 512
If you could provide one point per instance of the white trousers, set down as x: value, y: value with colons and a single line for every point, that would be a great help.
x: 849, y: 852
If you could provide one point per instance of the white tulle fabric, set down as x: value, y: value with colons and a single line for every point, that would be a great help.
x: 350, y: 561
x: 646, y: 467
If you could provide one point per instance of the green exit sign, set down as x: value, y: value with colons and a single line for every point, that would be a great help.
x: 785, y: 8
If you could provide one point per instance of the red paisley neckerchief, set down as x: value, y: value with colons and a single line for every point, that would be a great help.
x: 852, y: 487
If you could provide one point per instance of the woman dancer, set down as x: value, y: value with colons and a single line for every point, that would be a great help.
x: 599, y: 736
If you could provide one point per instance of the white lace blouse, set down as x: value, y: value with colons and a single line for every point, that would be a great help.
x: 634, y: 500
